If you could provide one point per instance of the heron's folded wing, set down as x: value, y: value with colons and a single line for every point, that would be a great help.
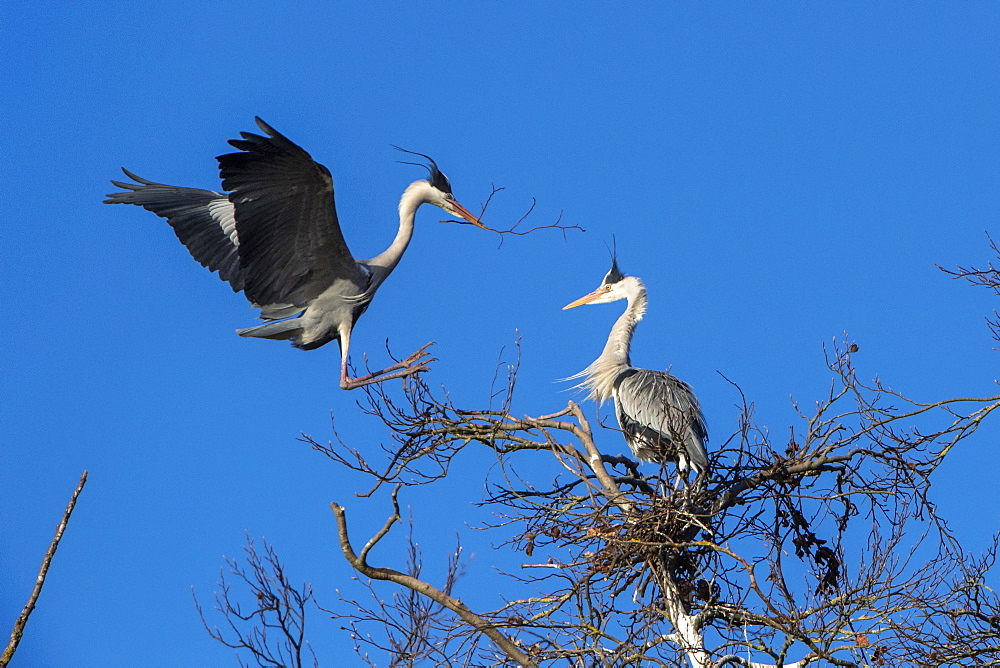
x: 660, y: 402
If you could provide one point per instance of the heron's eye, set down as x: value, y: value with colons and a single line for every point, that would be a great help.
x: 449, y: 197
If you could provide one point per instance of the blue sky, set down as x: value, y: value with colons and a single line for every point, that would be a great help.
x: 778, y: 174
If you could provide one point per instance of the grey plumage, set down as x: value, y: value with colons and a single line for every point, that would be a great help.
x: 658, y: 413
x: 275, y: 236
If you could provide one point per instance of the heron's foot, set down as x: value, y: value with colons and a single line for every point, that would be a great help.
x: 417, y: 356
x: 416, y: 363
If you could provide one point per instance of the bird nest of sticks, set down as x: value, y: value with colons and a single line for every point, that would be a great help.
x: 662, y: 534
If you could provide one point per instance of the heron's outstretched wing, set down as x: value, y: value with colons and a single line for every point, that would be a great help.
x: 202, y: 220
x: 665, y: 405
x: 291, y: 247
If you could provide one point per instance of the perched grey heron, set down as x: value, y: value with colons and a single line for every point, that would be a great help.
x: 658, y: 413
x: 275, y: 237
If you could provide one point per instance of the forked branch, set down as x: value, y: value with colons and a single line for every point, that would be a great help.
x: 513, y: 229
x: 360, y: 563
x: 271, y: 625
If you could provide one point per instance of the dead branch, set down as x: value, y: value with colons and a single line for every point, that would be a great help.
x: 360, y: 564
x: 271, y: 628
x: 22, y: 620
x: 418, y: 631
x: 513, y: 229
x: 988, y: 278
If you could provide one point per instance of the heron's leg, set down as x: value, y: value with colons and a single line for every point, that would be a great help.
x: 677, y: 483
x: 414, y: 364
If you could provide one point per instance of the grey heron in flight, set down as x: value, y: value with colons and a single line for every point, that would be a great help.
x: 657, y: 412
x: 275, y: 236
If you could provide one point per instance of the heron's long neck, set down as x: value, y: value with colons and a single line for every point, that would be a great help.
x: 601, y: 375
x: 408, y: 205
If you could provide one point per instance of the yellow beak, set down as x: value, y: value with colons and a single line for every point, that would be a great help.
x: 586, y: 299
x: 465, y: 213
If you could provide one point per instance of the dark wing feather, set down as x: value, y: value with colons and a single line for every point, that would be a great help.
x: 658, y: 410
x: 291, y: 246
x: 201, y: 219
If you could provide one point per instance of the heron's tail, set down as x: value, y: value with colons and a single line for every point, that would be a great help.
x: 281, y: 330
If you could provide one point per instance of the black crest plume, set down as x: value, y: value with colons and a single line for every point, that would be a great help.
x: 437, y: 177
x: 615, y: 274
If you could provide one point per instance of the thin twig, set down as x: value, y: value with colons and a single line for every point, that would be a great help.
x: 513, y: 228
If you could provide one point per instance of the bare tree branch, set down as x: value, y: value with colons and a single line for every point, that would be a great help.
x: 22, y: 620
x: 512, y: 230
x: 360, y: 564
x: 271, y: 628
x: 988, y: 278
x: 418, y: 631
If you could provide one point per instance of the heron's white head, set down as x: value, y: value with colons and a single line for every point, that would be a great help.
x: 436, y: 190
x: 615, y: 286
